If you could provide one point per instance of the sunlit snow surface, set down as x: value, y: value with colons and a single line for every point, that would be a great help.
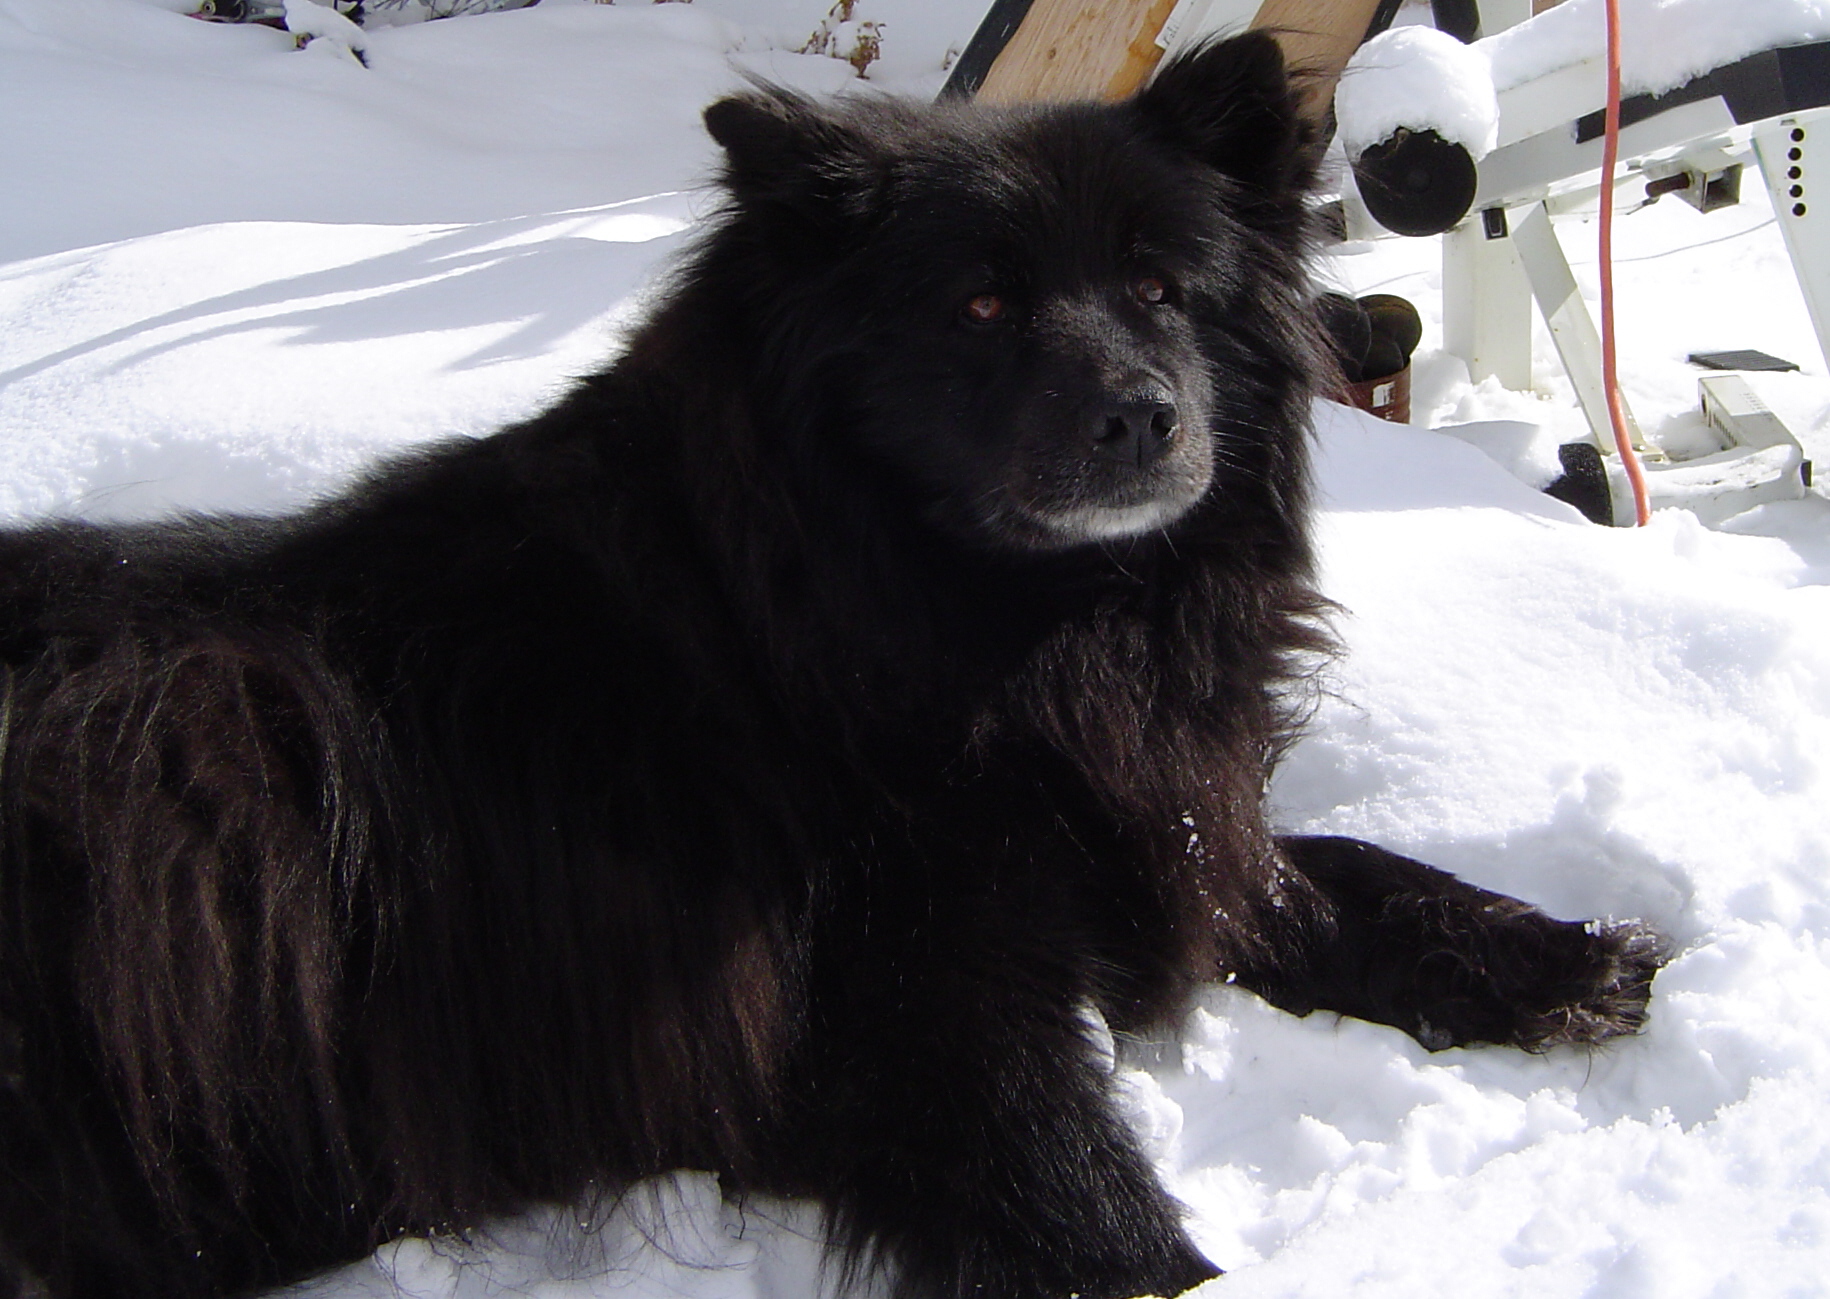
x: 231, y: 274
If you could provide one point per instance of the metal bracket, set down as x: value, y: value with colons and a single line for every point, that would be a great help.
x: 1759, y: 460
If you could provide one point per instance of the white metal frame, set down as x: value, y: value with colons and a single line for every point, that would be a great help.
x: 1506, y: 254
x: 1801, y: 203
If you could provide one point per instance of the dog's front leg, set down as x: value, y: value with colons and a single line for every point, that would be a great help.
x: 963, y: 1135
x: 1371, y: 934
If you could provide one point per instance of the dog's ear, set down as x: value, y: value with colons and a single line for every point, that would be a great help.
x: 1231, y: 104
x: 781, y: 150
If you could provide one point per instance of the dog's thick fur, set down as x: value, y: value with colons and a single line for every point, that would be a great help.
x: 755, y: 763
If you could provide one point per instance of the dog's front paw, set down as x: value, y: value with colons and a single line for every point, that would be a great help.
x: 1602, y: 992
x: 1520, y: 978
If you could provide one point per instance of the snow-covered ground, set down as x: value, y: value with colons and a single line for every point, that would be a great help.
x: 231, y: 273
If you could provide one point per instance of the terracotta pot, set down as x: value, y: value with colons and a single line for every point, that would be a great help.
x: 1388, y: 398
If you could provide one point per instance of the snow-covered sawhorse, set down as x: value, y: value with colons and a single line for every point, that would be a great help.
x: 1493, y: 188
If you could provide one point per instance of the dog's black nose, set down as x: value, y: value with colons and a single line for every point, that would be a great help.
x: 1136, y: 429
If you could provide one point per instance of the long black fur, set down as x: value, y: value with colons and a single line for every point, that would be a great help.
x: 754, y: 763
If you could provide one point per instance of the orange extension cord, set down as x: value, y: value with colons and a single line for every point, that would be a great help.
x: 1610, y: 370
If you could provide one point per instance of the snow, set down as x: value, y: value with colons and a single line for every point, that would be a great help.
x: 231, y: 273
x: 311, y: 21
x: 1418, y: 78
x: 1664, y: 43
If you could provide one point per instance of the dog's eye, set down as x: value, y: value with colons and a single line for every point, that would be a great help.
x: 984, y: 309
x: 1151, y: 291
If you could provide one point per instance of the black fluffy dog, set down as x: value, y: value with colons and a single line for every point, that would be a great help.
x: 755, y: 763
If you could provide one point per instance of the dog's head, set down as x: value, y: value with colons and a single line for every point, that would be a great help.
x: 1062, y: 324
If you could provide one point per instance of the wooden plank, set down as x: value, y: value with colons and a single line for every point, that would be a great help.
x: 1078, y: 49
x: 1318, y: 37
x: 1141, y: 55
x: 1106, y: 49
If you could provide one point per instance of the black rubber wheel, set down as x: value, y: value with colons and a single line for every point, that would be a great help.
x: 1416, y: 183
